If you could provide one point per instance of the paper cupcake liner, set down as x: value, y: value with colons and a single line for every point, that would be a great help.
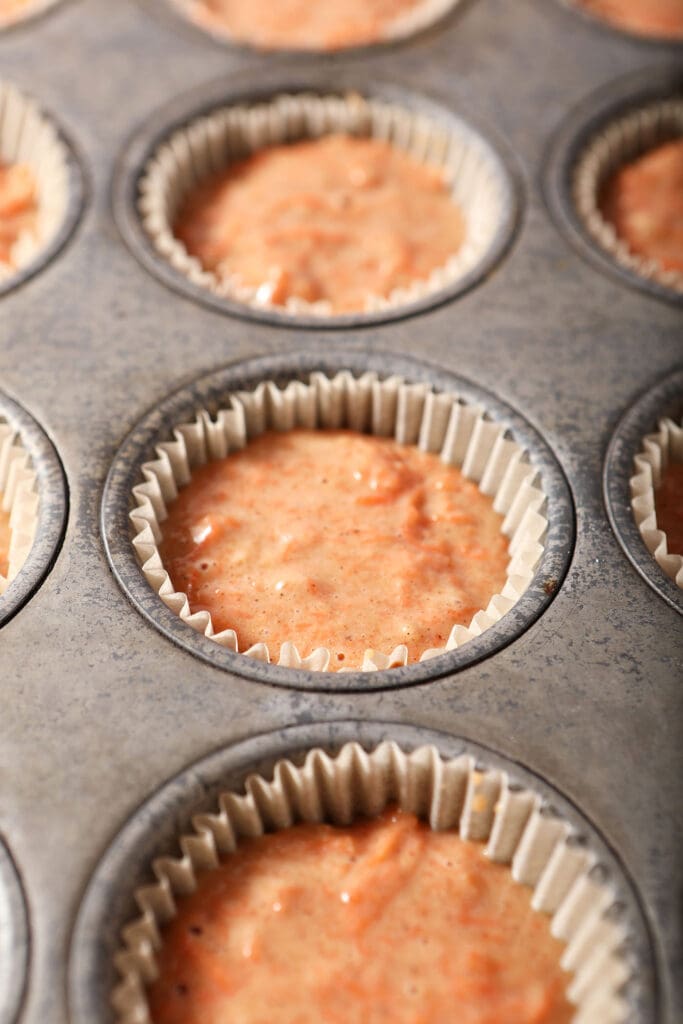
x: 411, y: 413
x: 658, y: 451
x: 210, y: 143
x: 18, y: 497
x: 541, y: 849
x: 27, y: 10
x: 28, y: 137
x: 621, y: 141
x: 424, y: 14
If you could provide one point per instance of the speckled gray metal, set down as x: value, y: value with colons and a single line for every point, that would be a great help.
x: 14, y: 939
x: 664, y: 399
x: 52, y: 510
x: 212, y: 392
x: 98, y: 707
x: 232, y: 91
x: 155, y: 827
x: 583, y: 123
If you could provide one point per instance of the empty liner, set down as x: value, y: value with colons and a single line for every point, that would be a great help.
x: 412, y: 414
x: 621, y: 141
x: 208, y: 144
x: 28, y: 137
x: 565, y: 877
x: 18, y: 498
x: 659, y: 449
x: 424, y: 14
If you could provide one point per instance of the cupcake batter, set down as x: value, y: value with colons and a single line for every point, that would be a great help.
x: 335, y: 539
x: 650, y: 17
x: 336, y: 219
x: 644, y: 202
x: 669, y: 507
x: 18, y: 207
x: 5, y: 535
x: 301, y: 24
x: 384, y: 922
x: 13, y: 8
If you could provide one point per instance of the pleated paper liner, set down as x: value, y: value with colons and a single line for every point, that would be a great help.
x: 622, y: 140
x: 424, y: 14
x: 208, y: 144
x: 541, y: 849
x: 28, y: 137
x: 659, y: 449
x: 18, y: 498
x: 22, y: 11
x: 411, y: 413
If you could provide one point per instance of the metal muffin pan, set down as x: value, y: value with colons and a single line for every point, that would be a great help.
x: 52, y: 511
x: 14, y: 938
x: 213, y: 392
x: 187, y: 109
x: 583, y: 124
x: 99, y: 706
x: 155, y: 827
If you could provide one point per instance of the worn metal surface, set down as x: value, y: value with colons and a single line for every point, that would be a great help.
x: 98, y: 707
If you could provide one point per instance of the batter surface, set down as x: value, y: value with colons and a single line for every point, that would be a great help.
x: 335, y: 539
x: 337, y: 219
x: 18, y: 207
x: 384, y: 922
x: 5, y: 535
x: 301, y: 24
x: 651, y: 17
x: 669, y: 507
x: 644, y: 202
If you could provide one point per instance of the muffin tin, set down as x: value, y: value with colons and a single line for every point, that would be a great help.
x: 101, y: 706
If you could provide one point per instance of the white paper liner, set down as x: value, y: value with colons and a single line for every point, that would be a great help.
x: 18, y: 497
x: 481, y: 804
x: 411, y: 413
x: 424, y: 14
x: 658, y: 451
x: 622, y: 141
x: 28, y: 10
x: 210, y: 143
x: 28, y: 137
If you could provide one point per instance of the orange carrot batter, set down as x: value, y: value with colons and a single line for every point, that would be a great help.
x: 669, y: 507
x: 384, y: 922
x: 651, y: 17
x: 302, y: 24
x: 644, y: 202
x: 334, y: 539
x: 11, y: 8
x: 5, y: 535
x: 336, y: 219
x: 18, y: 207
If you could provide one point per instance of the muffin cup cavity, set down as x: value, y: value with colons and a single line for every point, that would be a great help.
x: 207, y: 144
x: 425, y: 14
x: 28, y: 136
x: 658, y: 450
x: 541, y: 848
x: 621, y: 140
x: 413, y: 414
x: 19, y: 499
